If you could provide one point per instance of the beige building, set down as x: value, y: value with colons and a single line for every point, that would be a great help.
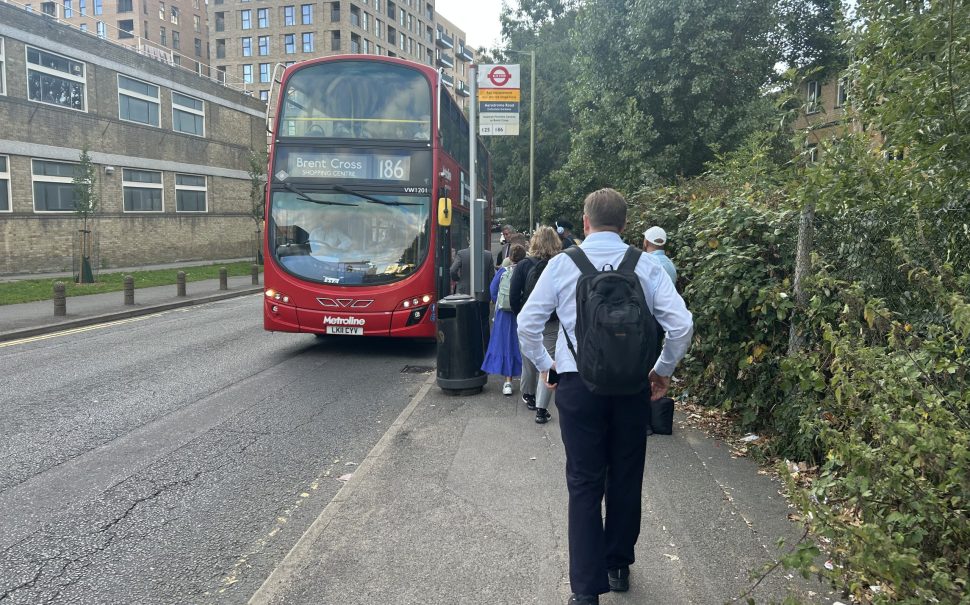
x: 249, y: 39
x: 171, y: 30
x: 170, y: 151
x: 823, y: 114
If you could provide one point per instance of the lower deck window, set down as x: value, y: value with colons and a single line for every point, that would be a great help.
x: 142, y: 190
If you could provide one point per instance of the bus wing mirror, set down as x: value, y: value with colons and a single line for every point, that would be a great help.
x: 444, y: 212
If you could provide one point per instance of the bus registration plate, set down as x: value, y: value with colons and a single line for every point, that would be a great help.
x: 346, y: 330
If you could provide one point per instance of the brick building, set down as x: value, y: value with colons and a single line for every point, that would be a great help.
x: 823, y: 114
x: 250, y: 38
x: 171, y: 151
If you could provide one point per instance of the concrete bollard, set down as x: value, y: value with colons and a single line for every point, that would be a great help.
x: 223, y: 278
x: 129, y: 290
x: 255, y: 275
x: 180, y: 283
x: 60, y: 300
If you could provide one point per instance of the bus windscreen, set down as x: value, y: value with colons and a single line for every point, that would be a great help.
x: 356, y: 100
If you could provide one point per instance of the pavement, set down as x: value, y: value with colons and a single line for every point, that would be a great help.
x: 37, y: 318
x: 463, y: 501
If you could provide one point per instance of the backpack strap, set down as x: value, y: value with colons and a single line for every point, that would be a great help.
x: 580, y: 259
x: 630, y: 260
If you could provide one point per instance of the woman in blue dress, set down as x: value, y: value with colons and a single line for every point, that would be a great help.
x: 503, y: 357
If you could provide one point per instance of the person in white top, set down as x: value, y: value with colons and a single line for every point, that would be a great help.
x: 603, y: 435
x: 654, y: 240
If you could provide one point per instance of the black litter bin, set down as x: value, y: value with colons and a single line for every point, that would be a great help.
x: 461, y: 347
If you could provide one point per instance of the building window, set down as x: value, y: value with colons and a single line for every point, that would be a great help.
x: 264, y: 72
x: 142, y: 190
x: 335, y: 12
x: 335, y: 40
x: 161, y: 11
x: 125, y: 29
x: 3, y: 71
x: 262, y: 16
x: 54, y: 185
x: 4, y: 184
x: 55, y: 79
x: 354, y: 43
x: 308, y: 42
x: 264, y: 96
x: 68, y: 9
x: 125, y: 6
x: 175, y: 15
x: 176, y: 41
x: 811, y: 153
x: 137, y: 101
x: 246, y: 18
x: 162, y: 36
x: 197, y: 23
x: 220, y: 22
x: 365, y: 22
x: 842, y: 93
x: 289, y: 43
x: 247, y: 74
x: 354, y: 15
x: 198, y: 47
x: 263, y: 46
x: 391, y: 35
x: 306, y: 14
x: 366, y: 46
x: 812, y: 91
x: 247, y: 47
x: 289, y: 15
x: 83, y: 27
x: 221, y: 48
x: 190, y: 193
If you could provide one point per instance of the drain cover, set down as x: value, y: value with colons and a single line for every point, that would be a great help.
x: 417, y: 370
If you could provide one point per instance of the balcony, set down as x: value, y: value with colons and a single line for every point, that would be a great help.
x: 464, y: 53
x: 445, y: 60
x: 444, y: 40
x: 448, y: 80
x: 462, y: 89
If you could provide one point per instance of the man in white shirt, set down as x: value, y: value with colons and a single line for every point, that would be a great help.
x: 603, y: 435
x: 654, y: 240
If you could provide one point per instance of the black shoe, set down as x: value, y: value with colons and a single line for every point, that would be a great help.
x: 584, y: 599
x: 529, y: 401
x: 542, y: 416
x: 619, y: 579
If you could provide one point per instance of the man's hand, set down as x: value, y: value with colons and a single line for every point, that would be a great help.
x: 545, y: 378
x: 658, y: 385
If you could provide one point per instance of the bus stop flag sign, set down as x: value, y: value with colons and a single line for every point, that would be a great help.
x: 498, y: 100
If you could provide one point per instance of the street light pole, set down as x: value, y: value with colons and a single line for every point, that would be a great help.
x: 532, y: 134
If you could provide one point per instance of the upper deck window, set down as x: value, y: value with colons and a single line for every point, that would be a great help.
x: 357, y: 100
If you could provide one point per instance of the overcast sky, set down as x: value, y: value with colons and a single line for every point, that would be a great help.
x: 479, y: 19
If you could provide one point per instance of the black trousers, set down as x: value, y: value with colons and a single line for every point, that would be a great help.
x: 605, y: 443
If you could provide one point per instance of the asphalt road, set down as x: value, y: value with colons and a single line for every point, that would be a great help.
x: 176, y: 458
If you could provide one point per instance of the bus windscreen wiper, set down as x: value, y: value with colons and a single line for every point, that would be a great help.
x: 304, y: 196
x: 362, y: 196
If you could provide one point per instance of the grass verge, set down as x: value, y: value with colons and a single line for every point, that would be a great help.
x: 30, y: 290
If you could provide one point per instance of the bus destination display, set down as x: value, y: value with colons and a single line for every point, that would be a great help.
x: 349, y: 166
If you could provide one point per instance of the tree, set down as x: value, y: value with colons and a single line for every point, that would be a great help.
x: 257, y: 192
x: 86, y: 201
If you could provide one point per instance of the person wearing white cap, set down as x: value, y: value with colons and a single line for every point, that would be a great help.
x: 654, y: 239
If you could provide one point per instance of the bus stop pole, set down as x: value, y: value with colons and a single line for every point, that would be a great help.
x: 475, y: 244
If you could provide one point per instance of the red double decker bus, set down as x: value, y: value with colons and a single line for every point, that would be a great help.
x: 368, y: 197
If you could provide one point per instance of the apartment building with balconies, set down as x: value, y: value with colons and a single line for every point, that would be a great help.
x: 250, y: 38
x: 175, y: 31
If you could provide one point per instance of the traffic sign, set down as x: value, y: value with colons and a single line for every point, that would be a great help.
x: 498, y: 100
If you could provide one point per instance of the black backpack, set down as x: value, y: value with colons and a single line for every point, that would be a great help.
x: 616, y: 333
x: 532, y: 278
